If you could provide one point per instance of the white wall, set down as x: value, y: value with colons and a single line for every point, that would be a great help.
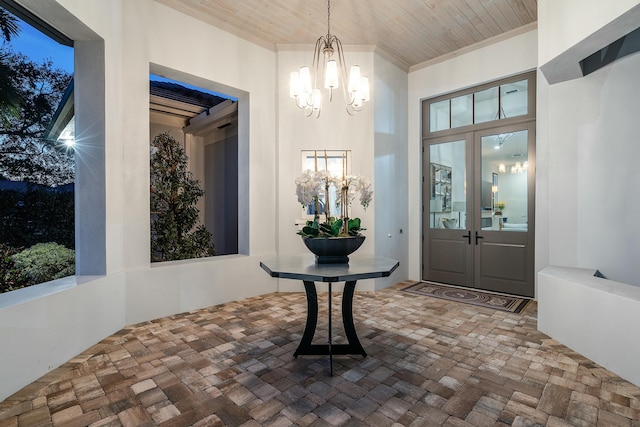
x: 391, y: 176
x: 503, y: 59
x: 588, y: 133
x: 591, y: 133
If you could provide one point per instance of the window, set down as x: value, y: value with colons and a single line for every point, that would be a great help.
x: 508, y: 100
x: 338, y: 164
x: 37, y: 165
x: 204, y: 126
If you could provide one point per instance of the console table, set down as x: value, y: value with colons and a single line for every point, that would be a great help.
x: 303, y: 267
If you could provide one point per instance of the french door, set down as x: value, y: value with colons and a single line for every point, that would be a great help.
x: 478, y: 213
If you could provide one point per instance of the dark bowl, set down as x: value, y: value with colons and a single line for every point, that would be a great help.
x: 333, y: 250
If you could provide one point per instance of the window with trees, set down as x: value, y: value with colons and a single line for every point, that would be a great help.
x: 194, y: 171
x: 36, y: 168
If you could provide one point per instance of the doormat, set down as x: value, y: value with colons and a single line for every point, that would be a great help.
x: 509, y: 303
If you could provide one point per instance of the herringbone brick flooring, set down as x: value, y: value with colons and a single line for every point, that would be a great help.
x: 430, y: 363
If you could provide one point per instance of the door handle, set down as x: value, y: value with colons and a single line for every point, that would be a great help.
x: 478, y: 237
x: 467, y: 236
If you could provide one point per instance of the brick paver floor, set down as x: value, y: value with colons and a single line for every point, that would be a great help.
x: 430, y: 363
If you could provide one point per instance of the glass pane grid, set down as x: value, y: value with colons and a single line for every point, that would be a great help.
x: 492, y: 104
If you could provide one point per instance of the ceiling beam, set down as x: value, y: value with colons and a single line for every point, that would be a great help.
x: 212, y: 118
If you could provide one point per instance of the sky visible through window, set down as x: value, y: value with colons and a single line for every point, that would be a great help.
x: 40, y: 47
x: 156, y: 78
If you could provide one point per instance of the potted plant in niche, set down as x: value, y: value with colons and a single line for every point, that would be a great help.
x: 333, y: 239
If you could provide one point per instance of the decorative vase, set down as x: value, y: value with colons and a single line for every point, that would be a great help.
x: 333, y: 250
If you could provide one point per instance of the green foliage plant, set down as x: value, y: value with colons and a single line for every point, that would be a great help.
x: 175, y: 233
x: 331, y: 228
x: 11, y: 278
x: 44, y: 262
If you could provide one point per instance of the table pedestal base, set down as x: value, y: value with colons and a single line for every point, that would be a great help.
x: 307, y: 348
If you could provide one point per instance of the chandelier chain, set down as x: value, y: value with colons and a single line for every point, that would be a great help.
x: 328, y: 18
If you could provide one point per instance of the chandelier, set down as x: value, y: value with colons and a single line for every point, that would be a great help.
x: 500, y: 138
x: 517, y: 167
x: 304, y: 83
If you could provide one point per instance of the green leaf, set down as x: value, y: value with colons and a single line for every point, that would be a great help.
x: 309, y: 231
x: 326, y: 229
x: 337, y: 226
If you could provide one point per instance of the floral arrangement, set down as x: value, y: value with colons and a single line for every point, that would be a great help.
x: 312, y: 186
x: 500, y: 207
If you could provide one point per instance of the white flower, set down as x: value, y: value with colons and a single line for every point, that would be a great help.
x: 306, y: 188
x: 366, y: 192
x: 311, y: 185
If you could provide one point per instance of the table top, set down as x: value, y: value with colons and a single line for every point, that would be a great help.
x: 304, y: 267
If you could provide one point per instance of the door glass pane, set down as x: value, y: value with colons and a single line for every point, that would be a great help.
x: 503, y: 201
x: 439, y: 116
x: 514, y: 99
x: 461, y: 111
x: 448, y: 183
x: 486, y: 105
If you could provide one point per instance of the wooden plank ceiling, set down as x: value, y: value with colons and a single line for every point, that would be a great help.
x: 407, y: 32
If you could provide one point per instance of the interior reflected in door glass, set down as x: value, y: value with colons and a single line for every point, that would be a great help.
x: 504, y: 182
x: 448, y: 183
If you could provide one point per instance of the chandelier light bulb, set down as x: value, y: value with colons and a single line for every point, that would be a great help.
x: 354, y: 79
x: 305, y: 80
x: 294, y: 85
x: 331, y: 77
x: 316, y: 100
x: 363, y: 90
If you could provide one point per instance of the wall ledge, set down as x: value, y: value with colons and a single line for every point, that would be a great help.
x: 31, y: 293
x: 566, y: 66
x: 593, y: 316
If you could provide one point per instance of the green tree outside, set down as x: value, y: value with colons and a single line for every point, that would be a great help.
x: 38, y: 219
x: 174, y: 215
